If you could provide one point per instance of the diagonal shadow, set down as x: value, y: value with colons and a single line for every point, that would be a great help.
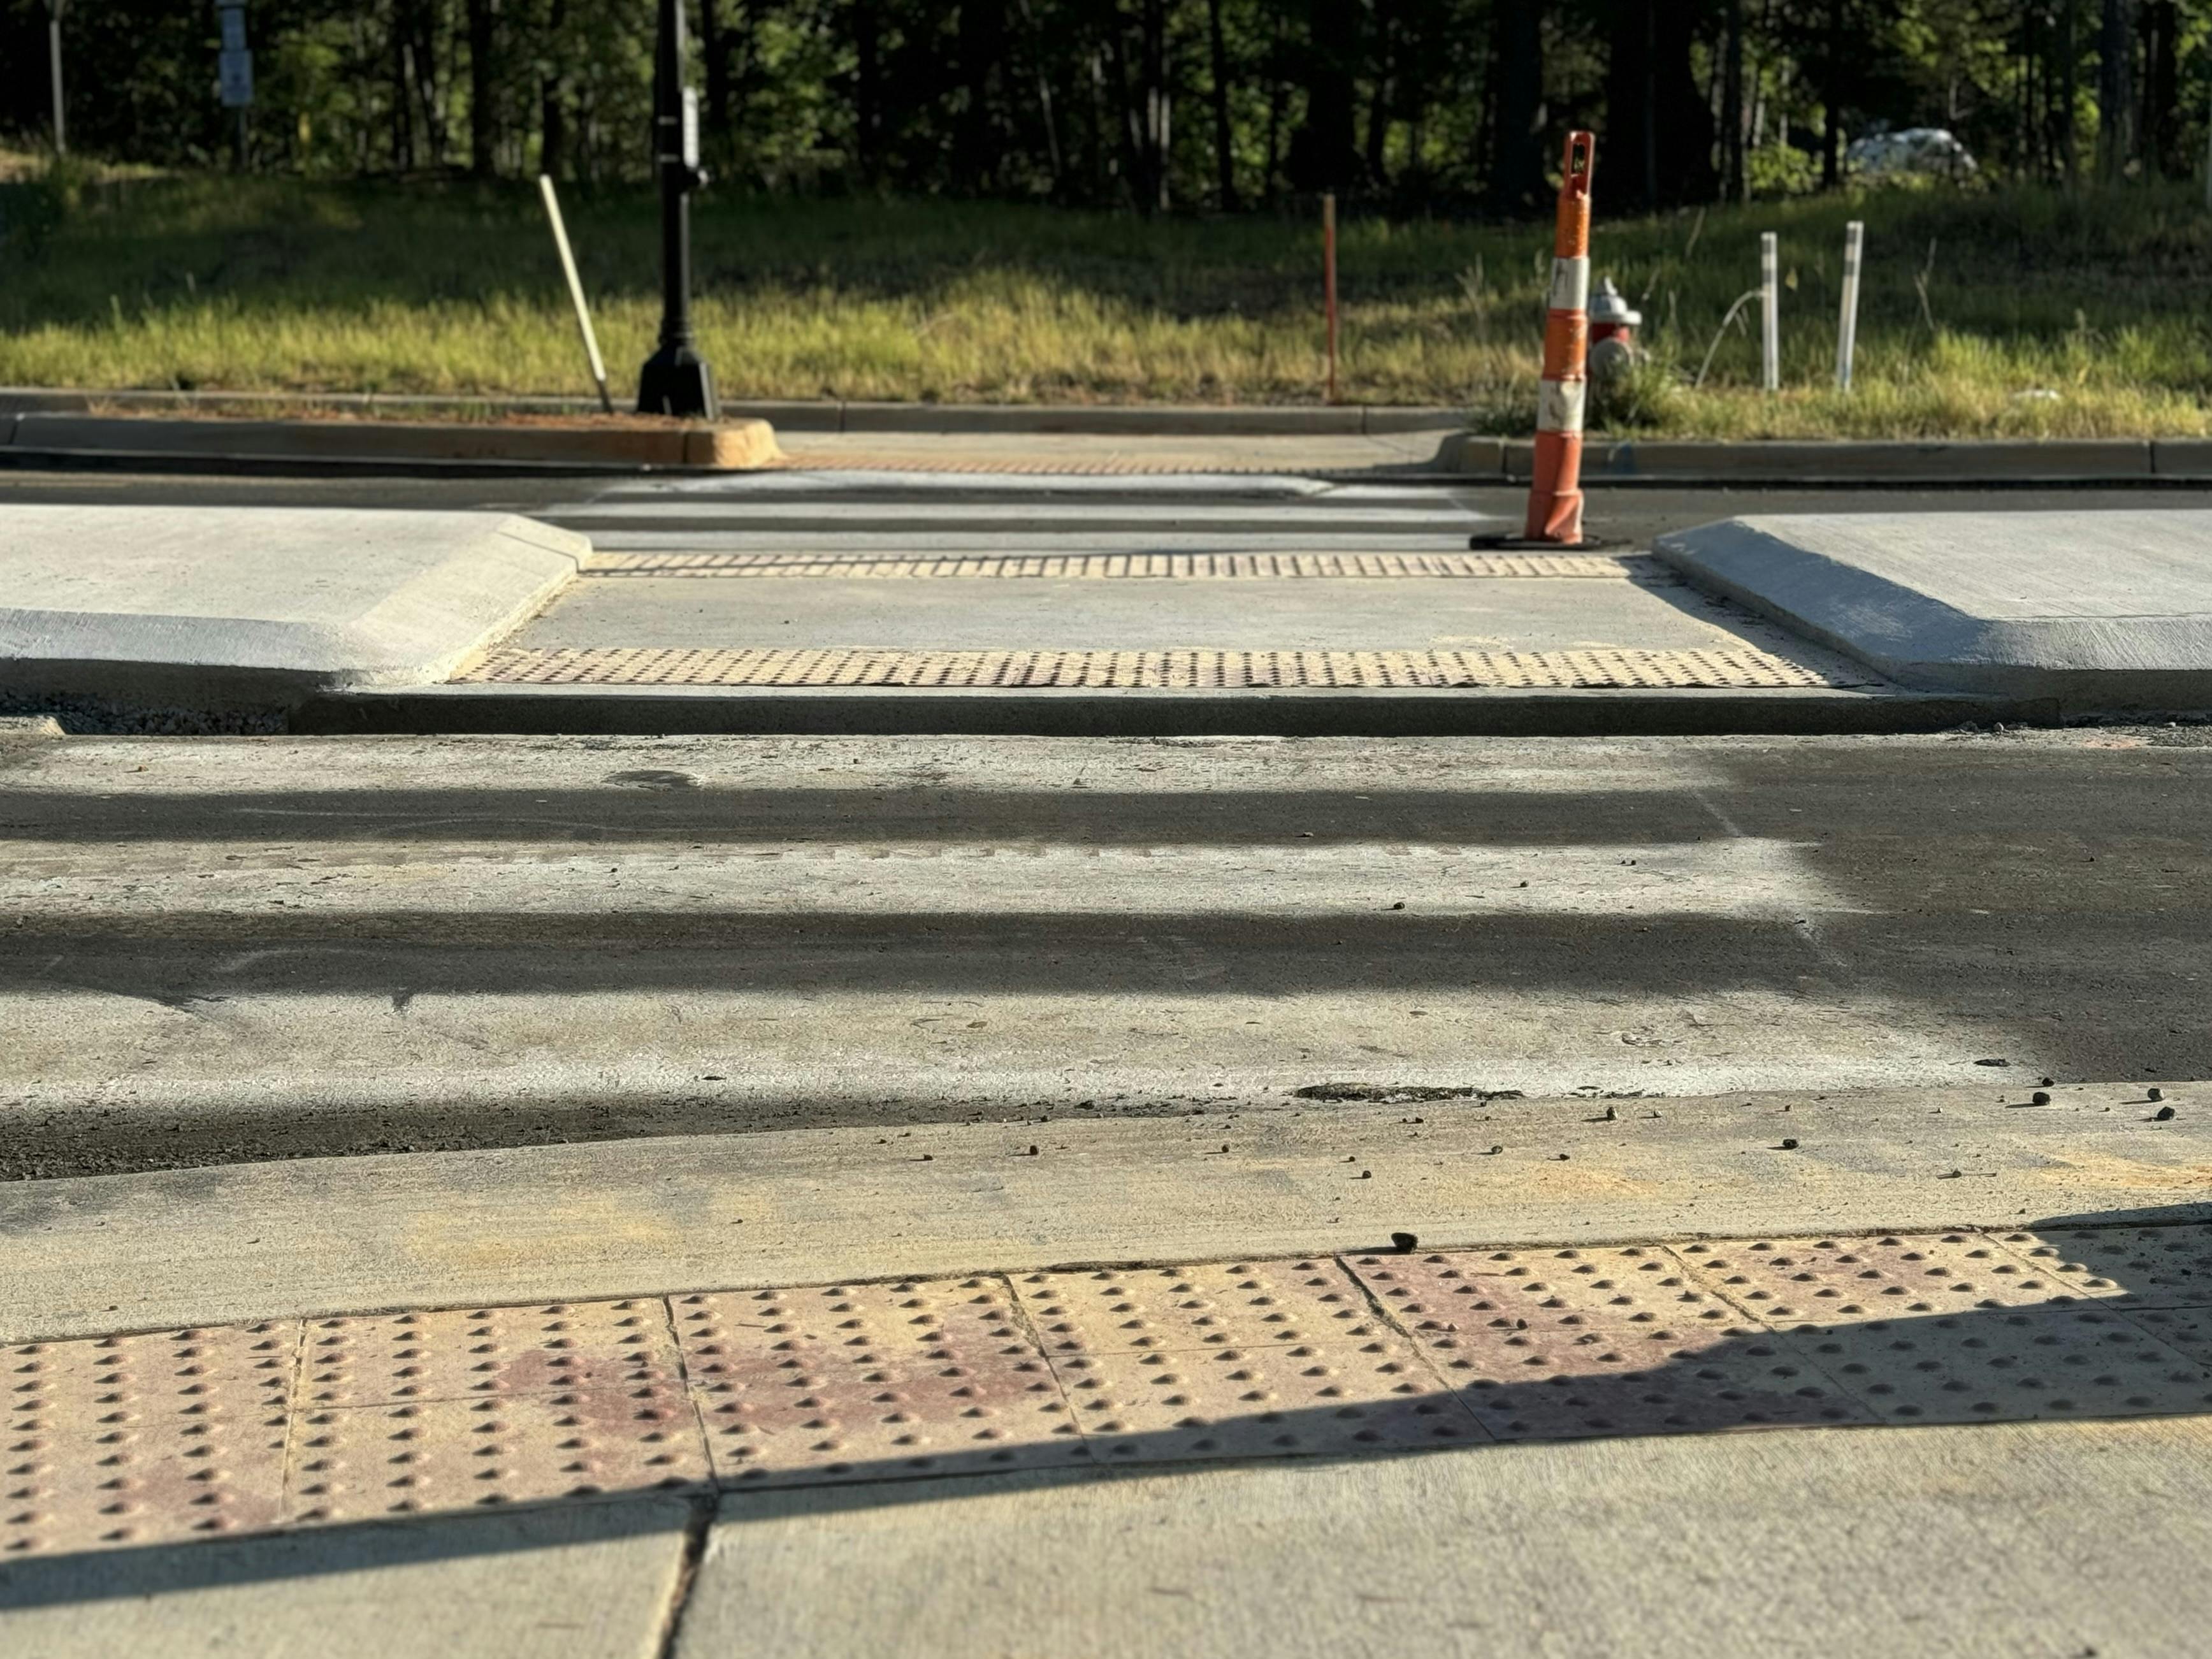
x: 2126, y: 1333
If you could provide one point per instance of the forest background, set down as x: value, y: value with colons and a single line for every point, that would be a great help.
x: 1115, y: 198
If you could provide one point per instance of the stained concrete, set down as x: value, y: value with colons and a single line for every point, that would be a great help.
x: 2097, y: 611
x: 166, y: 1249
x: 2055, y: 1540
x: 200, y: 605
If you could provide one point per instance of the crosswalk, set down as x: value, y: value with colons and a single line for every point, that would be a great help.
x: 1227, y: 584
x: 283, y: 944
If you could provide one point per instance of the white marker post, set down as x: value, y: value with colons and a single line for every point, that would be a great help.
x: 1769, y: 294
x: 1847, y: 325
x: 576, y: 291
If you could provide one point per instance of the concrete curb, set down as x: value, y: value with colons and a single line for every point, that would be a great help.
x: 795, y: 415
x: 75, y: 423
x: 664, y: 711
x: 736, y: 445
x: 87, y: 1255
x: 2089, y: 460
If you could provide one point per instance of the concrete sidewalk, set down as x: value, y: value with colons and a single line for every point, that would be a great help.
x: 1702, y: 1441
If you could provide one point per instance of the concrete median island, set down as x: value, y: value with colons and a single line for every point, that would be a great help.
x: 2100, y: 611
x: 262, y: 607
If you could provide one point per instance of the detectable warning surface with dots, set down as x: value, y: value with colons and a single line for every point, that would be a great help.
x: 1742, y: 668
x: 158, y: 1437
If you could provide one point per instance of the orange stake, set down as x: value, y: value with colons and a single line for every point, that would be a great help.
x: 1555, y: 497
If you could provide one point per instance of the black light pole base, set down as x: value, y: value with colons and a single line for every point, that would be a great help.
x: 676, y: 380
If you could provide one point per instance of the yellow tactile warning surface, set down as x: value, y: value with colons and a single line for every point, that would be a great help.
x: 1123, y: 466
x: 1740, y: 668
x: 1115, y: 566
x: 127, y: 1440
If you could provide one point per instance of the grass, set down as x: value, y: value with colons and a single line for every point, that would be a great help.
x: 2009, y: 312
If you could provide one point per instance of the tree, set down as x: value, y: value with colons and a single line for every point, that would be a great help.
x: 1324, y: 149
x: 2116, y: 91
x: 1659, y: 125
x: 1519, y: 117
x: 484, y: 87
x: 1224, y: 133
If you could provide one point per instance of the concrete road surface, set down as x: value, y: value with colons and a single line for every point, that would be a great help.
x: 244, y: 947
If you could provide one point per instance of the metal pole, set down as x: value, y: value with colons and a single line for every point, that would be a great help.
x: 576, y: 292
x: 1328, y: 280
x: 54, y: 53
x: 1769, y: 294
x: 675, y: 379
x: 1847, y: 326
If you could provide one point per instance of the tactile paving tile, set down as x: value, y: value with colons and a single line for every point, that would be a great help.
x: 901, y: 460
x: 552, y: 1347
x: 1835, y: 1281
x: 863, y: 1381
x: 1238, y: 1359
x: 1436, y: 1295
x: 1599, y: 668
x: 2004, y: 1365
x: 124, y: 1440
x: 1240, y: 1305
x: 2126, y: 1266
x: 1115, y: 567
x: 364, y: 1462
x: 1552, y: 1344
x: 2188, y: 1331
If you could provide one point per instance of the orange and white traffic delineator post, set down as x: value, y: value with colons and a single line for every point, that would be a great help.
x: 1555, y: 498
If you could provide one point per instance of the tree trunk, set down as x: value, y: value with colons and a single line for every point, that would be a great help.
x: 867, y: 90
x: 1734, y: 182
x: 2116, y: 91
x: 1516, y: 179
x: 1279, y: 92
x: 976, y: 150
x: 1832, y: 97
x: 1661, y: 120
x: 714, y: 51
x: 552, y: 117
x: 2161, y: 111
x: 1224, y: 135
x: 1379, y: 107
x: 1159, y: 105
x: 1325, y: 148
x: 2069, y: 90
x: 402, y: 93
x: 484, y: 87
x: 1048, y: 111
x: 1132, y: 123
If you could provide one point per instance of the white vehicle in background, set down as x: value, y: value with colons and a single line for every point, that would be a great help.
x: 1914, y: 153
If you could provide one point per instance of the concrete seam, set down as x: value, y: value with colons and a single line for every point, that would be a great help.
x: 703, y: 1505
x: 1014, y: 1299
x: 1413, y: 1343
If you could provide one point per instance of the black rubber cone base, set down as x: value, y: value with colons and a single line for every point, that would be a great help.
x: 1589, y: 543
x: 676, y: 380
